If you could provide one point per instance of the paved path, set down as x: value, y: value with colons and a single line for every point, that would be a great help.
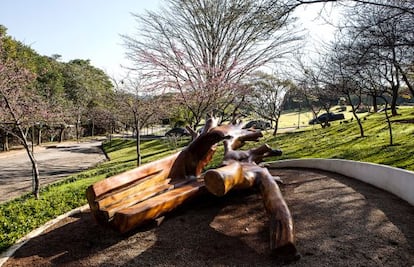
x: 55, y: 162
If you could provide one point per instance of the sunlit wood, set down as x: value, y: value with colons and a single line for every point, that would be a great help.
x: 130, y: 199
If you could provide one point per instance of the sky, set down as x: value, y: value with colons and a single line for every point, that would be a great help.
x: 75, y: 29
x: 91, y: 29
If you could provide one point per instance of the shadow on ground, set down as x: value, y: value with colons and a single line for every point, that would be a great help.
x: 338, y: 222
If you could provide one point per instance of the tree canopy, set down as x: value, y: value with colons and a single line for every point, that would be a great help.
x: 204, y: 50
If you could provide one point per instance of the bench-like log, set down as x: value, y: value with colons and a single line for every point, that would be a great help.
x: 126, y: 219
x: 132, y: 198
x: 126, y: 189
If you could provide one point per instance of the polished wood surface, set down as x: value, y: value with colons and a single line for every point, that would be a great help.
x: 128, y: 200
x: 133, y: 216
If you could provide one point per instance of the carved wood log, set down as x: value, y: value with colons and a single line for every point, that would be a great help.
x: 282, y: 238
x: 221, y: 180
x: 127, y: 200
x: 133, y: 216
x: 113, y: 190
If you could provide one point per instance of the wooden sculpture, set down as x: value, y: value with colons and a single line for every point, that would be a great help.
x: 129, y: 199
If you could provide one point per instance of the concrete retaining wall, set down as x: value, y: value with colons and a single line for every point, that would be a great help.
x: 394, y: 180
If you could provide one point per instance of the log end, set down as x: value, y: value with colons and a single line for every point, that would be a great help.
x: 214, y: 183
x: 282, y: 240
x: 286, y: 253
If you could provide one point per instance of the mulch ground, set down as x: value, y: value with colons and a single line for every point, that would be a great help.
x: 338, y: 222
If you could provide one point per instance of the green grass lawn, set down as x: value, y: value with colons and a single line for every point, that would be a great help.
x: 344, y: 141
x: 291, y: 119
x: 22, y: 215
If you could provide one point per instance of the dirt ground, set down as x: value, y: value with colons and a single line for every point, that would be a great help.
x: 338, y: 222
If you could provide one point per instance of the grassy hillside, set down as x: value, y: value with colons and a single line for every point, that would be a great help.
x: 291, y: 119
x: 344, y: 141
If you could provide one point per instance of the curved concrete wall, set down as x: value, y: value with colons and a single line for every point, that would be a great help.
x: 394, y: 180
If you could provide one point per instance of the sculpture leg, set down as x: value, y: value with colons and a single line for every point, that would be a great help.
x: 220, y: 181
x: 282, y: 239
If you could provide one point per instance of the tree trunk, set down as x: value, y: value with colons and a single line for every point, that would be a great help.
x: 93, y: 128
x: 361, y: 129
x: 395, y: 87
x: 77, y: 131
x: 61, y: 134
x: 35, y: 169
x: 406, y: 80
x: 388, y: 121
x: 374, y: 103
x: 5, y: 141
x: 394, y: 101
x: 39, y: 136
x: 276, y: 127
x: 138, y: 143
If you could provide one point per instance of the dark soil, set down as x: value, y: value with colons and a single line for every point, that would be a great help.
x: 338, y: 222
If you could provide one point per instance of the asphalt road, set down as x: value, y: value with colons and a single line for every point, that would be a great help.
x: 55, y: 163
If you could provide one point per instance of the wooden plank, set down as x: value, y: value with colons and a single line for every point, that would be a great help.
x: 134, y: 199
x: 129, y: 218
x: 100, y: 188
x: 141, y: 185
x: 141, y: 195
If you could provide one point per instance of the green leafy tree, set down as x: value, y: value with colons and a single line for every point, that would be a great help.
x: 268, y: 96
x: 86, y: 87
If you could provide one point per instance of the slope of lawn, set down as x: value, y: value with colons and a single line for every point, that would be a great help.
x: 291, y: 119
x: 341, y: 140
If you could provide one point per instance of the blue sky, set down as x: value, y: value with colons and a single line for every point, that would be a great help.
x: 85, y: 29
x: 90, y: 29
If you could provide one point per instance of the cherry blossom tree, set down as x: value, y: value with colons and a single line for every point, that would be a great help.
x: 135, y: 106
x: 20, y: 106
x: 204, y: 50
